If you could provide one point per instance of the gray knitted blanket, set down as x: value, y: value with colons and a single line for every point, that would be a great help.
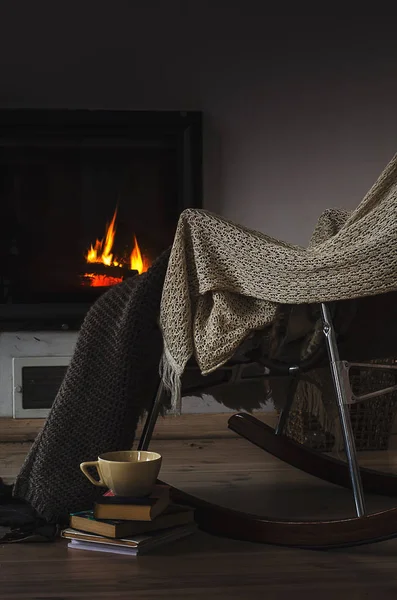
x: 110, y: 382
x: 225, y: 282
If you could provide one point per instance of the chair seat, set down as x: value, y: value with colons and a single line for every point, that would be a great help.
x: 366, y: 330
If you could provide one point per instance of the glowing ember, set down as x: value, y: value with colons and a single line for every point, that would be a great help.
x: 102, y: 280
x: 101, y: 253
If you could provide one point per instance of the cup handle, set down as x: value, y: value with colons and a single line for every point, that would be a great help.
x: 92, y: 463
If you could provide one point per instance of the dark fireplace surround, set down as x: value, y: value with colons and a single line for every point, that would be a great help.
x: 63, y: 174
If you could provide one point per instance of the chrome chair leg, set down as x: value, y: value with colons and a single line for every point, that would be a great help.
x: 342, y: 393
x: 151, y: 419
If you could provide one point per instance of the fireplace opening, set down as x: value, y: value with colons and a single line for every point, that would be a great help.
x: 88, y: 199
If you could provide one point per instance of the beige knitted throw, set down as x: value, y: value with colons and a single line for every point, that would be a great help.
x: 225, y: 281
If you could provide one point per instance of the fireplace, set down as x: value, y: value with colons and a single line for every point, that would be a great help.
x: 87, y: 198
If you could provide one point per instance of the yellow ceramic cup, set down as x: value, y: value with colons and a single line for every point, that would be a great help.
x: 126, y: 473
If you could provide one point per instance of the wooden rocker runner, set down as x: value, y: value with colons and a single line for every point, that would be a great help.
x: 364, y: 527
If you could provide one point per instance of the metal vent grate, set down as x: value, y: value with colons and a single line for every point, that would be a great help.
x: 40, y: 385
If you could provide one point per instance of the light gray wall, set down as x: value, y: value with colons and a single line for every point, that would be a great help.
x: 299, y: 112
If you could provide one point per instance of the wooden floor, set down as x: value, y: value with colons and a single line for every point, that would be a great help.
x: 234, y: 473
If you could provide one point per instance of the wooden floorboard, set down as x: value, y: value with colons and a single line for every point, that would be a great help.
x: 169, y: 427
x: 234, y: 473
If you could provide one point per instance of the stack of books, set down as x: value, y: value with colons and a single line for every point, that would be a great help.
x: 130, y: 525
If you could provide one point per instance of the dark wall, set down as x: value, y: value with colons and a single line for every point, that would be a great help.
x: 299, y: 112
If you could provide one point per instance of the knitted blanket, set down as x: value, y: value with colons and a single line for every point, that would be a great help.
x: 111, y: 380
x: 225, y: 281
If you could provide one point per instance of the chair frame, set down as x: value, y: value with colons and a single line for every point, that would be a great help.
x: 363, y: 528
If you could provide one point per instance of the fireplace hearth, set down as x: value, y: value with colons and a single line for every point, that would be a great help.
x: 87, y: 199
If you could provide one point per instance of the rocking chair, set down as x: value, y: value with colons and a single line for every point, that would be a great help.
x: 369, y: 336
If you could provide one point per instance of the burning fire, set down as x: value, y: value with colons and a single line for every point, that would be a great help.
x: 101, y: 253
x: 96, y: 254
x: 137, y: 261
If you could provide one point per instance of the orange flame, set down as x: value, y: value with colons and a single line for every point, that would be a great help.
x: 96, y: 254
x: 138, y: 263
x: 101, y: 252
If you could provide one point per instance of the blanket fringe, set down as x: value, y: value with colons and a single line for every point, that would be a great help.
x: 170, y: 375
x: 313, y: 399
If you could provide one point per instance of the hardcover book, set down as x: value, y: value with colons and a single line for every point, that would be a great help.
x: 133, y: 509
x: 173, y: 516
